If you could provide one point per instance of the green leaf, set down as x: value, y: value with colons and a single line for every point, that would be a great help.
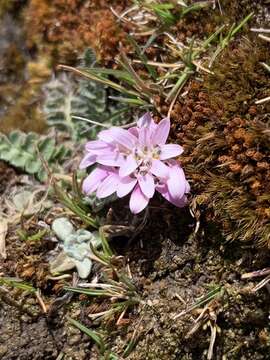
x: 26, y: 151
x: 92, y: 334
x: 46, y: 148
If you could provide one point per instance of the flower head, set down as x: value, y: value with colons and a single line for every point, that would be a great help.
x: 136, y: 161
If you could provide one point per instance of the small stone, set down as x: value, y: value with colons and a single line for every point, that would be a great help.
x: 74, y: 340
x: 3, y: 349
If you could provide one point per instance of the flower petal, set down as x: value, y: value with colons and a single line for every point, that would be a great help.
x: 163, y: 190
x: 169, y: 151
x: 176, y: 182
x: 145, y: 121
x: 161, y: 132
x: 159, y: 169
x: 147, y: 185
x: 106, y: 136
x: 138, y: 201
x: 96, y: 146
x: 88, y: 160
x: 125, y: 186
x: 128, y: 166
x: 93, y: 180
x: 123, y: 137
x: 134, y: 131
x: 110, y: 158
x: 144, y: 137
x: 108, y: 186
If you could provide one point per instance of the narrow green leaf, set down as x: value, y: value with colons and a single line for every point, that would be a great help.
x: 92, y: 334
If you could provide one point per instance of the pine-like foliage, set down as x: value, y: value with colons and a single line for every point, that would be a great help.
x: 67, y: 96
x: 29, y: 151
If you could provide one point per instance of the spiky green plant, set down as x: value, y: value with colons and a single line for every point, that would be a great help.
x: 138, y: 90
x: 116, y: 285
x: 97, y: 338
x: 31, y: 151
x: 168, y: 13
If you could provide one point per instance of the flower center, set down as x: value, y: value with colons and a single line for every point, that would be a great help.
x: 144, y: 156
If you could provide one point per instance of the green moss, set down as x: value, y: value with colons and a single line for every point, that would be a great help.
x: 239, y: 79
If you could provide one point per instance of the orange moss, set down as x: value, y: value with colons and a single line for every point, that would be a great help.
x: 226, y: 146
x: 63, y: 29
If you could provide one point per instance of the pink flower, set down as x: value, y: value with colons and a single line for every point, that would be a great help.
x: 136, y: 160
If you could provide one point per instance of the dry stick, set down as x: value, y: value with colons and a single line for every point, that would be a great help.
x: 263, y: 37
x: 261, y: 284
x: 263, y: 272
x: 122, y: 16
x: 90, y: 121
x: 160, y: 64
x: 260, y: 30
x: 60, y: 277
x: 41, y: 302
x: 261, y: 101
x: 200, y: 67
x: 126, y: 126
x: 121, y: 317
x: 212, y: 341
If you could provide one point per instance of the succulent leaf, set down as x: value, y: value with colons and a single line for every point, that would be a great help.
x: 76, y: 248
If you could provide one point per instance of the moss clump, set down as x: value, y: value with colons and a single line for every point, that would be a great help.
x: 63, y: 29
x: 239, y: 78
x: 226, y: 136
x: 236, y: 10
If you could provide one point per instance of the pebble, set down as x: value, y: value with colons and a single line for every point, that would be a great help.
x: 3, y: 350
x: 74, y: 340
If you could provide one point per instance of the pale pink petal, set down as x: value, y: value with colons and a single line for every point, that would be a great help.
x: 169, y: 151
x: 109, y: 159
x: 123, y: 137
x: 163, y: 190
x: 128, y: 166
x: 93, y: 180
x: 179, y: 202
x: 161, y: 133
x: 134, y: 131
x: 88, y: 160
x: 97, y: 145
x: 145, y: 120
x: 159, y: 169
x: 106, y: 136
x: 108, y: 186
x: 125, y: 186
x: 176, y: 182
x: 138, y: 201
x: 144, y: 137
x: 147, y: 185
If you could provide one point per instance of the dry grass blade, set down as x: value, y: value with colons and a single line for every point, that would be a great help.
x: 261, y: 284
x: 204, y: 299
x: 3, y: 234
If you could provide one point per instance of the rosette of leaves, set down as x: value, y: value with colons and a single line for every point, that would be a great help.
x: 29, y: 152
x: 76, y: 248
x: 70, y: 100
